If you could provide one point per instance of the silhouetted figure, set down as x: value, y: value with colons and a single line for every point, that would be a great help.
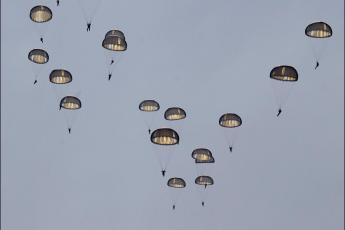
x: 205, y: 186
x: 163, y: 172
x: 109, y: 76
x: 41, y: 39
x: 279, y: 112
x: 149, y: 131
x: 35, y: 82
x: 230, y: 149
x: 88, y: 26
x: 317, y: 64
x: 69, y: 130
x: 112, y: 62
x: 203, y: 203
x: 57, y: 2
x: 173, y: 207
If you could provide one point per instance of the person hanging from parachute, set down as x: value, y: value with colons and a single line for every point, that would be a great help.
x: 41, y: 39
x: 112, y: 61
x: 149, y: 106
x: 175, y: 183
x: 57, y: 2
x: 109, y: 76
x: 39, y: 57
x: 230, y: 120
x: 88, y: 26
x: 318, y: 30
x: 41, y: 15
x: 279, y: 112
x: 35, y: 82
x: 70, y: 103
x: 204, y: 181
x: 163, y: 172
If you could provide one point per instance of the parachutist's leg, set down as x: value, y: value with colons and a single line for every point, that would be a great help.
x: 163, y: 172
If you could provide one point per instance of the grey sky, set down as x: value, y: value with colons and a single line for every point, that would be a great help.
x: 208, y: 57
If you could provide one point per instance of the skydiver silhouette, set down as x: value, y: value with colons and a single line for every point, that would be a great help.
x: 57, y: 2
x: 109, y: 76
x: 205, y: 186
x: 230, y: 149
x: 203, y: 203
x: 279, y: 112
x: 35, y: 82
x: 149, y: 131
x: 317, y: 64
x: 88, y: 26
x: 163, y: 172
x: 112, y: 62
x: 69, y: 130
x: 173, y: 207
x: 41, y: 39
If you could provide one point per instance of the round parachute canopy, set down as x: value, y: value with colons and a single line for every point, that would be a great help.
x: 204, y: 180
x: 114, y: 43
x: 165, y: 136
x: 149, y: 106
x: 176, y: 182
x: 284, y: 73
x: 38, y: 56
x: 202, y: 154
x: 60, y: 76
x: 318, y: 30
x: 70, y: 102
x: 173, y: 114
x: 230, y: 120
x: 41, y: 14
x: 115, y: 33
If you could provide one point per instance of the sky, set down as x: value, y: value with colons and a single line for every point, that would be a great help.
x: 207, y: 57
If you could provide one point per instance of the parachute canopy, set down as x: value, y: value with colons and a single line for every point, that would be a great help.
x: 230, y: 120
x: 202, y: 154
x: 284, y: 73
x: 174, y: 113
x: 70, y: 102
x: 115, y: 41
x: 149, y: 106
x: 60, y: 76
x: 206, y: 161
x: 165, y: 136
x: 318, y: 30
x: 40, y: 14
x: 176, y: 182
x: 38, y: 56
x: 204, y: 180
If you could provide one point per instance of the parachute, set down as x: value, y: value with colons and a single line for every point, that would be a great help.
x: 164, y: 139
x: 175, y: 183
x: 38, y: 57
x: 41, y: 15
x: 149, y: 106
x: 283, y: 77
x: 114, y: 43
x: 203, y: 158
x: 232, y: 121
x: 318, y: 31
x: 60, y: 76
x: 174, y: 113
x: 70, y: 104
x: 203, y: 181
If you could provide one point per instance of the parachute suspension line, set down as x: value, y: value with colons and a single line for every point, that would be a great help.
x: 89, y: 15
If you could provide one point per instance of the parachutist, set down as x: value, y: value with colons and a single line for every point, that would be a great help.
x: 69, y: 130
x: 203, y: 203
x: 109, y: 76
x: 35, y: 82
x: 230, y: 149
x: 205, y: 186
x: 41, y: 39
x: 149, y: 131
x: 163, y: 173
x: 57, y: 2
x: 112, y: 62
x: 173, y: 207
x: 279, y: 112
x: 317, y: 64
x: 88, y: 28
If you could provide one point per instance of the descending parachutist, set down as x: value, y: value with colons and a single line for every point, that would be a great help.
x: 41, y: 39
x: 173, y: 207
x: 149, y: 131
x: 57, y: 2
x: 88, y: 26
x: 163, y: 172
x: 35, y: 82
x: 317, y: 64
x: 112, y: 62
x: 279, y: 112
x: 203, y: 203
x: 230, y: 149
x: 69, y: 130
x: 109, y: 76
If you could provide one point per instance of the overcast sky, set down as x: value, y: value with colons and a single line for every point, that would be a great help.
x: 208, y: 57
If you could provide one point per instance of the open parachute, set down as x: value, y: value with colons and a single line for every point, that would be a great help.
x: 175, y: 183
x: 230, y: 121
